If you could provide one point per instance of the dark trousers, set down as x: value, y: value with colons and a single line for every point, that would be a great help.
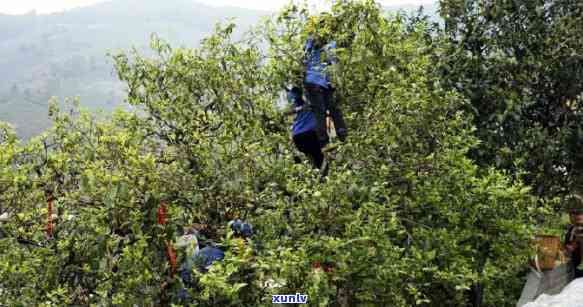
x: 308, y: 143
x: 322, y: 99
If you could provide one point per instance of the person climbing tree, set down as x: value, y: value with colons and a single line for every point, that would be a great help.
x: 304, y: 128
x: 319, y: 58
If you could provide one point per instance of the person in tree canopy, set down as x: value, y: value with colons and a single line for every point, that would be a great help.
x: 574, y: 234
x: 202, y: 259
x: 304, y: 128
x: 319, y: 59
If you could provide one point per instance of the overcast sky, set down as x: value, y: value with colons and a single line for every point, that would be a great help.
x: 48, y: 6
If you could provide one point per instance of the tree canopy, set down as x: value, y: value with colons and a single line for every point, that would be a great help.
x: 419, y: 208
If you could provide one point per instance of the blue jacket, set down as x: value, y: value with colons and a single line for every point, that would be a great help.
x: 241, y: 228
x: 305, y: 120
x: 203, y: 260
x: 316, y: 66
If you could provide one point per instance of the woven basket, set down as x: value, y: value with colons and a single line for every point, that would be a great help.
x: 548, y: 248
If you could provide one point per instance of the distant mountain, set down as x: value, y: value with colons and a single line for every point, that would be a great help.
x: 64, y: 54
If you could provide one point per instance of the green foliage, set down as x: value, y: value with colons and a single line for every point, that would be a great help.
x: 404, y: 218
x: 519, y: 63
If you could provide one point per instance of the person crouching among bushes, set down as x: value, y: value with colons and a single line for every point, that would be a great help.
x: 201, y: 259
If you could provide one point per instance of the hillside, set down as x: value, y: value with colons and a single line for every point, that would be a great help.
x: 64, y: 54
